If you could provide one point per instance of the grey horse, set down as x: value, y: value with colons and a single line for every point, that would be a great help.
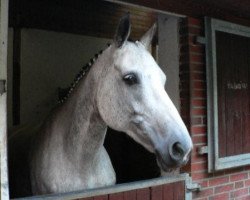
x: 124, y: 89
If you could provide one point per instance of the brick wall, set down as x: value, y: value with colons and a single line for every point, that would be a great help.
x: 228, y: 184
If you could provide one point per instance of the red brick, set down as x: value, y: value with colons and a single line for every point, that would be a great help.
x: 223, y: 196
x: 195, y: 30
x: 247, y: 183
x: 198, y: 111
x: 198, y: 76
x: 197, y: 49
x: 196, y: 158
x: 239, y: 184
x: 199, y: 85
x: 218, y: 181
x: 199, y: 102
x: 190, y: 30
x: 239, y: 193
x: 197, y: 58
x: 198, y: 129
x: 204, y: 121
x: 197, y: 120
x: 199, y: 94
x: 203, y: 183
x: 223, y: 188
x: 199, y: 139
x: 247, y: 197
x: 194, y: 21
x: 203, y: 193
x: 199, y: 175
x: 198, y: 67
x: 201, y: 166
x: 238, y: 177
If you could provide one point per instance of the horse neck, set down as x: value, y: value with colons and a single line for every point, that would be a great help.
x: 86, y: 130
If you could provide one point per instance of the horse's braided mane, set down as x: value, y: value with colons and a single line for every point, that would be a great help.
x: 78, y: 77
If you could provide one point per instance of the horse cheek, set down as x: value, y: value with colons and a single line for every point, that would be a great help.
x: 105, y: 106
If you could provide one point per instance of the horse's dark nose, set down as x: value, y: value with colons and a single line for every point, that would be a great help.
x: 174, y: 152
x: 177, y: 152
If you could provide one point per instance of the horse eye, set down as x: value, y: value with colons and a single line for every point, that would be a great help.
x: 130, y: 79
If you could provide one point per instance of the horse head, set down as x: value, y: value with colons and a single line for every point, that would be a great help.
x: 131, y: 98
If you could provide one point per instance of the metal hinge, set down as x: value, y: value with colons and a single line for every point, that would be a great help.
x: 191, y: 187
x: 203, y: 150
x: 2, y: 87
x: 200, y: 40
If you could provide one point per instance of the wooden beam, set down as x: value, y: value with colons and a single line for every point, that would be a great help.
x: 196, y: 8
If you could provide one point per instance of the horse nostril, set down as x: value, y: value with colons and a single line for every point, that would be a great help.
x: 177, y: 152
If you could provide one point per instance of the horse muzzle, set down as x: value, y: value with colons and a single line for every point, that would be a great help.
x: 175, y: 155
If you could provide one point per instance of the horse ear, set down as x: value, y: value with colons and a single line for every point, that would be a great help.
x: 123, y: 30
x: 146, y: 39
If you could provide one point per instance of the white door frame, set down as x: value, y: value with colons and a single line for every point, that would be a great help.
x: 4, y: 189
